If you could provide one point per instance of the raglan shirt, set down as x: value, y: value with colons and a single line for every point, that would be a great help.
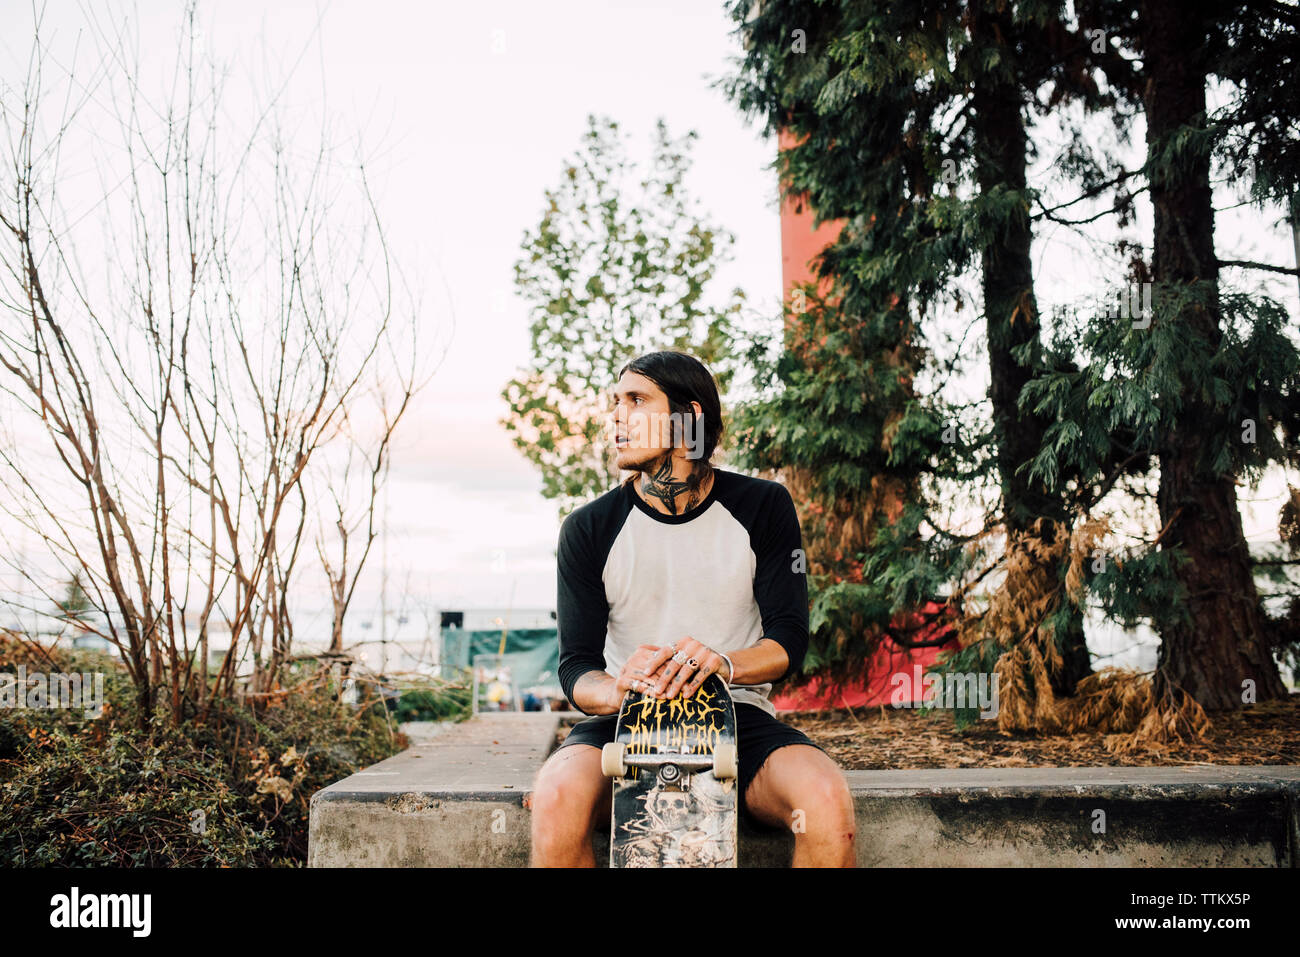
x: 728, y: 573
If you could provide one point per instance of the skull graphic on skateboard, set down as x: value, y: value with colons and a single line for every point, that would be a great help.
x: 674, y: 768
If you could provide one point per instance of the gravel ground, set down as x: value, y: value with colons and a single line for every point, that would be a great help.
x: 1267, y: 733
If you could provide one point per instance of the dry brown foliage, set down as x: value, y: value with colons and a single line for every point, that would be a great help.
x: 1120, y: 702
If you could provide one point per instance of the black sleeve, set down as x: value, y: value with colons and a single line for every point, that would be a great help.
x: 780, y: 582
x: 581, y: 608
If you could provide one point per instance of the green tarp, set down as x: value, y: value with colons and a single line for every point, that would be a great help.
x: 533, y: 654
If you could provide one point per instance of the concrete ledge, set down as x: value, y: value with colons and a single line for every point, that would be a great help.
x: 454, y: 800
x: 1191, y: 816
x: 458, y: 800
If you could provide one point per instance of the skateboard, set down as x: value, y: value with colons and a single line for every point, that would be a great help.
x: 674, y: 764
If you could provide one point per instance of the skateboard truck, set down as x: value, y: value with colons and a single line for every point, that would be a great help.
x: 614, y: 761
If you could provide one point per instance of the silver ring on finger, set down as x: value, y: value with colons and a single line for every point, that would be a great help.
x: 680, y: 657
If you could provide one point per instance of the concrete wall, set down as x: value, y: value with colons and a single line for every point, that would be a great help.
x: 457, y: 800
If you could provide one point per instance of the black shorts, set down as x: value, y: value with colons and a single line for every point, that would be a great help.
x: 758, y: 733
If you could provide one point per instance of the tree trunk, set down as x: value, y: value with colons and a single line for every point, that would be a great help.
x: 1220, y: 645
x: 1011, y: 315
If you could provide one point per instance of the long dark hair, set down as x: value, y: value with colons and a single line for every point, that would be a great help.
x: 684, y: 379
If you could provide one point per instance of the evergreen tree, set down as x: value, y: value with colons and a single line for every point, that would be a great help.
x: 1209, y: 386
x: 840, y: 415
x: 913, y: 124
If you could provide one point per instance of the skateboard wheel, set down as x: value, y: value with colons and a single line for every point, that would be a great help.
x: 724, y: 762
x: 611, y: 759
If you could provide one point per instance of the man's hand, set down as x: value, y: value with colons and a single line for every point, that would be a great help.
x: 685, y: 670
x: 642, y: 668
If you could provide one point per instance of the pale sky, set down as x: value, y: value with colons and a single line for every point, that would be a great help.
x: 465, y: 114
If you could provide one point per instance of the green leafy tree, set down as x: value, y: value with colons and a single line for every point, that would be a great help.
x: 620, y: 264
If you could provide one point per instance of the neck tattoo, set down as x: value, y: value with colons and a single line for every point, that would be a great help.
x: 662, y: 486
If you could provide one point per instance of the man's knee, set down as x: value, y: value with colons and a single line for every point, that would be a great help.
x: 822, y: 795
x: 565, y: 798
x: 566, y: 790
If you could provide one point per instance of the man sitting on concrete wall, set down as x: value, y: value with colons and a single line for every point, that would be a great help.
x: 684, y: 571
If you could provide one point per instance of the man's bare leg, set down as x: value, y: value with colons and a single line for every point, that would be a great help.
x: 800, y: 787
x: 570, y: 798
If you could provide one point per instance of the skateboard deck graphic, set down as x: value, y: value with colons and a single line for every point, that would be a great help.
x: 675, y: 800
